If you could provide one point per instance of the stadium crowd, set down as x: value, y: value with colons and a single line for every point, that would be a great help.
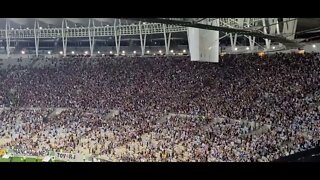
x: 279, y: 93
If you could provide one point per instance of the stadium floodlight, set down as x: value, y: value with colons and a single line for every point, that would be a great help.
x: 134, y: 52
x: 86, y: 52
x: 102, y: 54
x: 236, y: 49
x: 22, y: 52
x: 72, y: 52
x: 160, y: 51
x: 68, y: 27
x: 98, y: 52
x: 61, y: 52
x: 27, y: 28
x: 184, y: 51
x: 148, y: 52
x: 12, y: 28
x: 313, y: 45
x: 273, y: 47
x: 154, y: 54
x: 40, y: 27
x: 110, y: 52
x: 123, y: 52
x: 247, y: 48
x: 171, y: 51
x: 144, y: 23
x: 49, y: 52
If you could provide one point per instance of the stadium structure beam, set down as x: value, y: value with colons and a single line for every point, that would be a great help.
x: 91, y: 35
x: 8, y: 37
x: 289, y: 43
x: 233, y: 41
x: 251, y: 42
x: 166, y: 41
x: 250, y: 23
x: 289, y: 27
x: 64, y: 36
x: 142, y: 41
x: 117, y: 36
x: 268, y: 42
x: 169, y: 41
x: 36, y: 36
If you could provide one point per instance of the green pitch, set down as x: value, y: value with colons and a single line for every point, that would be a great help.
x: 22, y: 159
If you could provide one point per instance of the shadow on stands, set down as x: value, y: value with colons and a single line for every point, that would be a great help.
x: 311, y: 155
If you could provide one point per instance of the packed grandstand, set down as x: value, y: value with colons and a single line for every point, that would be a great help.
x: 245, y: 108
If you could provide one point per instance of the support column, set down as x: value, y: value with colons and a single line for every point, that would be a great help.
x: 8, y: 40
x: 117, y: 36
x: 251, y: 38
x: 274, y: 26
x: 268, y: 42
x: 169, y: 41
x: 289, y: 27
x: 166, y: 41
x: 233, y: 41
x: 91, y: 35
x: 142, y: 41
x: 36, y: 36
x: 252, y: 41
x: 64, y: 36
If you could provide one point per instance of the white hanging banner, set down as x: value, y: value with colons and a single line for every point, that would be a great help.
x: 203, y: 45
x: 68, y: 157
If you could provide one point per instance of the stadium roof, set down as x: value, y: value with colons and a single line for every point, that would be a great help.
x: 307, y: 28
x: 303, y: 23
x: 57, y: 22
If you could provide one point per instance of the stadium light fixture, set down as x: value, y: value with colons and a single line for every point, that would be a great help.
x: 12, y: 28
x: 148, y: 52
x: 123, y: 52
x: 72, y: 52
x: 86, y: 52
x: 98, y: 52
x: 40, y: 27
x: 49, y: 52
x: 144, y: 23
x: 22, y: 52
x: 110, y: 52
x: 247, y: 48
x: 313, y: 45
x: 102, y: 54
x: 184, y: 51
x: 273, y: 47
x: 171, y: 51
x: 61, y: 52
x: 68, y: 27
x: 236, y: 49
x: 27, y: 28
x: 160, y: 51
x: 154, y: 54
x: 134, y: 52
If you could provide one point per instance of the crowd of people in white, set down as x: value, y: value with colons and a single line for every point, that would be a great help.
x: 280, y: 92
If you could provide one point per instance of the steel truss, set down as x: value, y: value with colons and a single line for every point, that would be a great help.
x: 99, y: 31
x: 268, y: 26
